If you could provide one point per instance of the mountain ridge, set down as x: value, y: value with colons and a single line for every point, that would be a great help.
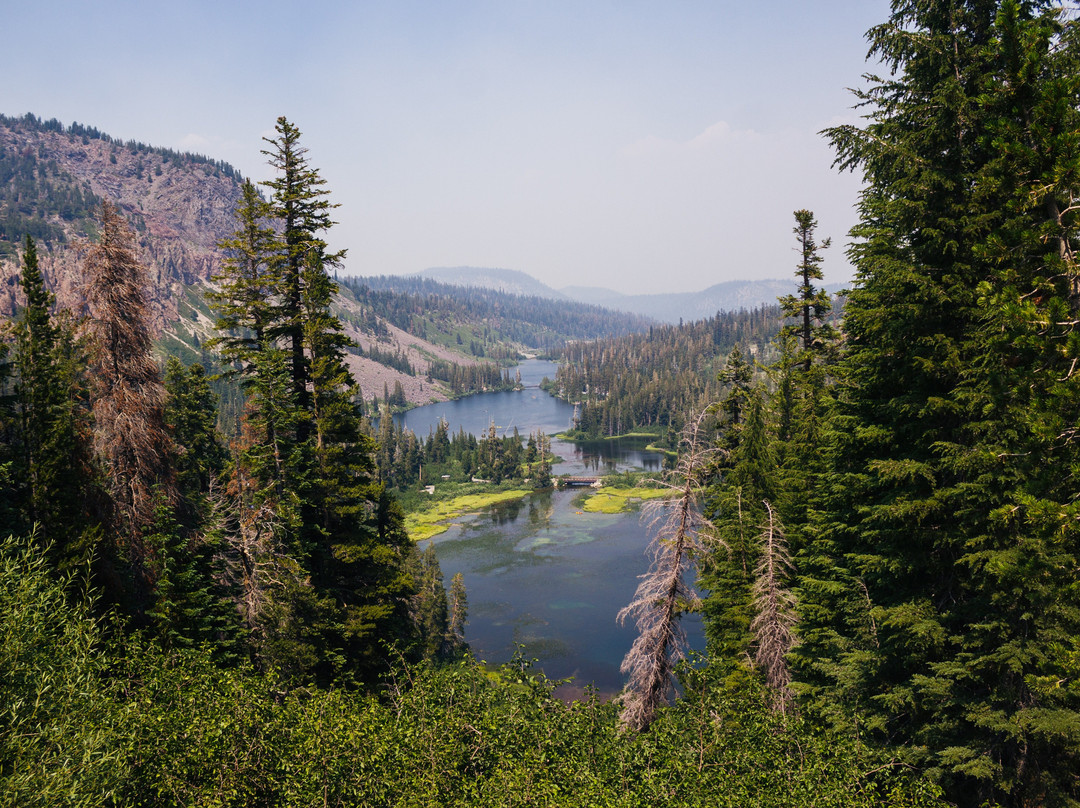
x: 179, y: 206
x: 670, y: 307
x: 512, y: 281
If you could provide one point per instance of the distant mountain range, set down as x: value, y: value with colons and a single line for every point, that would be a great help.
x: 669, y: 307
x: 673, y: 307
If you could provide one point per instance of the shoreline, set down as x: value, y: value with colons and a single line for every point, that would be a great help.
x: 428, y: 522
x: 567, y: 436
x: 435, y: 520
x: 620, y: 499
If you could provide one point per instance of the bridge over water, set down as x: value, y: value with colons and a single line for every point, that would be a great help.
x: 578, y: 482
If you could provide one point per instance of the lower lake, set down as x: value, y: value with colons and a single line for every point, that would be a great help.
x: 542, y: 574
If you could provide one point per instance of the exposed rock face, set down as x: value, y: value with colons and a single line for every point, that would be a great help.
x: 180, y: 209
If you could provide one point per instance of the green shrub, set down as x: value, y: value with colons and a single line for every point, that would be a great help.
x: 60, y: 726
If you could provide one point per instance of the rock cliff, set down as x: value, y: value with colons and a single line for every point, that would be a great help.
x: 179, y: 205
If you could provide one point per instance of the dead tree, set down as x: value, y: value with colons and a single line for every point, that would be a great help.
x: 663, y: 594
x: 774, y: 607
x: 130, y: 437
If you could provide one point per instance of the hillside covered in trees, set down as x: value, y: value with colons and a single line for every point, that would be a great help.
x: 180, y: 207
x: 436, y: 311
x: 654, y: 379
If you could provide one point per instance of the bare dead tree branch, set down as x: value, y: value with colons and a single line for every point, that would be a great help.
x: 662, y: 595
x: 774, y: 605
x: 255, y: 562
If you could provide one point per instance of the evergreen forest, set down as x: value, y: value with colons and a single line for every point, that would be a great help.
x: 877, y: 505
x: 652, y: 380
x: 435, y: 311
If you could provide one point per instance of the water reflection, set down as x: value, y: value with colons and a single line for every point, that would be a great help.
x: 528, y: 409
x: 504, y: 512
x: 551, y: 578
x: 539, y: 571
x: 541, y: 509
x: 609, y: 456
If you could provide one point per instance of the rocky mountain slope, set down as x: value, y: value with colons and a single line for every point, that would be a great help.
x: 180, y: 207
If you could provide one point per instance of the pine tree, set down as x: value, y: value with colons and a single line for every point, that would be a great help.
x: 247, y: 283
x: 192, y: 606
x: 298, y: 201
x: 663, y: 593
x: 939, y: 597
x: 11, y: 518
x: 1020, y: 613
x: 735, y: 504
x: 430, y: 607
x: 736, y: 376
x: 36, y: 389
x: 786, y: 372
x: 803, y: 398
x: 339, y: 537
x: 191, y: 414
x: 811, y: 306
x: 54, y: 463
x: 543, y: 472
x: 458, y: 605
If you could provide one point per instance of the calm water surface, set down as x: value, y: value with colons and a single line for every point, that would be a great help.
x: 541, y: 572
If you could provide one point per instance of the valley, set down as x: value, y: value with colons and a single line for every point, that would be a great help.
x: 278, y: 530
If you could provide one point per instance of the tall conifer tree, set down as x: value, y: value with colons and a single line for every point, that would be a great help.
x: 736, y: 506
x: 191, y: 414
x: 11, y: 519
x: 811, y: 305
x: 310, y: 462
x: 802, y: 399
x: 298, y: 202
x: 945, y: 589
x: 54, y: 463
x: 244, y: 298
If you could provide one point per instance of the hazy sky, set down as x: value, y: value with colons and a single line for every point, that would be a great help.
x: 643, y: 146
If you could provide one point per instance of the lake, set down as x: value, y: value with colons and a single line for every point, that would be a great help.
x: 541, y: 573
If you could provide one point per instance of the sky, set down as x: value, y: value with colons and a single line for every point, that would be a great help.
x: 640, y: 146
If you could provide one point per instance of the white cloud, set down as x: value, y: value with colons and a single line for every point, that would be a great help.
x: 718, y: 135
x: 197, y: 143
x: 719, y: 132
